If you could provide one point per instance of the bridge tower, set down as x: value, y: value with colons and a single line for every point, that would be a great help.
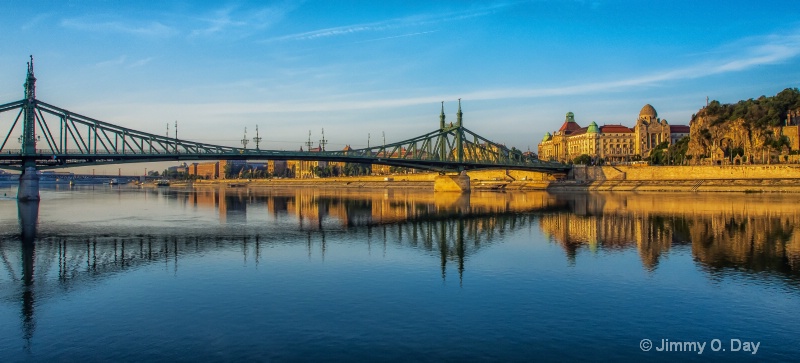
x: 29, y: 180
x: 459, y: 182
x: 442, y: 144
x: 459, y: 135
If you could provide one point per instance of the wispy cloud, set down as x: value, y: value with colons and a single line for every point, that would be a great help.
x: 390, y: 24
x: 242, y: 21
x: 397, y: 36
x: 217, y: 22
x: 151, y: 29
x: 762, y: 51
x: 140, y: 62
x: 112, y: 62
x: 35, y: 21
x: 123, y: 61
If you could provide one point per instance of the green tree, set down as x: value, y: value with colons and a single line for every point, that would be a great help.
x: 583, y: 159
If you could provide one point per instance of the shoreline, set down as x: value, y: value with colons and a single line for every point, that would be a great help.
x: 690, y: 179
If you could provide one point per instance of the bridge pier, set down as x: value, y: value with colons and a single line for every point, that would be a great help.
x: 452, y: 183
x: 28, y: 185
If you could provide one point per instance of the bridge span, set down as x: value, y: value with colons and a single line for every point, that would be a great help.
x: 53, y: 137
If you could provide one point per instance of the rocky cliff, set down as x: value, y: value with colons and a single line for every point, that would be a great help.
x: 751, y: 129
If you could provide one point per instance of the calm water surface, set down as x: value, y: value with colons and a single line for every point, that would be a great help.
x: 126, y: 274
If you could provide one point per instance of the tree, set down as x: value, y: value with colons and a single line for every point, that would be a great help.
x: 583, y: 159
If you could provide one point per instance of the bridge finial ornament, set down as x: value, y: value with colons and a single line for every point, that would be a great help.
x: 30, y: 82
x: 441, y: 118
x: 459, y: 114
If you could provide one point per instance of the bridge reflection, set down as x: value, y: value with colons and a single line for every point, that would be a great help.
x: 752, y: 235
x: 42, y: 266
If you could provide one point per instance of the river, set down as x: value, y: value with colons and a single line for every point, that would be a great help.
x: 127, y: 274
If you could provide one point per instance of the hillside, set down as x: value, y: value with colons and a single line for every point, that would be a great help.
x: 751, y: 129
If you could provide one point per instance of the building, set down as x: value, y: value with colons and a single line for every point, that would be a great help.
x: 205, y: 170
x: 792, y: 129
x: 611, y: 143
x: 276, y: 167
x: 179, y: 169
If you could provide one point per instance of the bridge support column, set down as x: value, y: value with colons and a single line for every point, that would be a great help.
x: 452, y: 183
x: 28, y: 185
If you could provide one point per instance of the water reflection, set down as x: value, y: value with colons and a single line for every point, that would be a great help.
x: 731, y: 231
x: 45, y: 264
x: 743, y: 234
x: 28, y: 215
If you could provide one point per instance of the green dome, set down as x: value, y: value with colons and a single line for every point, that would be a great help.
x: 547, y: 137
x: 593, y: 129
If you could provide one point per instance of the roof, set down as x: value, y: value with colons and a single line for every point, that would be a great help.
x: 593, y: 129
x: 579, y: 131
x: 648, y: 111
x: 569, y: 126
x: 679, y: 129
x: 615, y: 129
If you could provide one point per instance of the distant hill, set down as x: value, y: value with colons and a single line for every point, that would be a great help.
x: 751, y: 129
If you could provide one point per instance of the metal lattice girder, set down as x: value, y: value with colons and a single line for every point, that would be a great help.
x: 66, y: 139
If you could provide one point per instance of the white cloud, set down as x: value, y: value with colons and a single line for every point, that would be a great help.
x: 151, y: 29
x: 769, y: 50
x: 112, y: 62
x: 35, y: 21
x: 390, y: 24
x: 140, y: 62
x: 242, y: 21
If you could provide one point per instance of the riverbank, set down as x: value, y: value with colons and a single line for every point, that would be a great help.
x: 408, y: 181
x: 738, y: 178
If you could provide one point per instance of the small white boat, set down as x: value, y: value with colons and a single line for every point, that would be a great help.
x: 113, y: 182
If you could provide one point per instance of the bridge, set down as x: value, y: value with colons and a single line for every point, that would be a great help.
x: 53, y: 137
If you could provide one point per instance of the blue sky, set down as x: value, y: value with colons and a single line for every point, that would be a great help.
x: 383, y: 67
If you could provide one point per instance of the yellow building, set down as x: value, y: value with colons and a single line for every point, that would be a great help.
x: 791, y: 129
x: 612, y: 143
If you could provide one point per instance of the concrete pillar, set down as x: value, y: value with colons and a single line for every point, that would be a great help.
x: 28, y: 213
x: 28, y: 185
x: 451, y: 183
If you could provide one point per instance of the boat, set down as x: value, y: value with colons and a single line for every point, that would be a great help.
x: 162, y: 183
x: 113, y: 182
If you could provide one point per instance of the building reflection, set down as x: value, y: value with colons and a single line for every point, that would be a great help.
x: 755, y: 233
x: 346, y: 208
x: 743, y: 233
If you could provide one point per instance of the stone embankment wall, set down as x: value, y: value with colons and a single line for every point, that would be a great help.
x: 656, y: 173
x: 734, y: 178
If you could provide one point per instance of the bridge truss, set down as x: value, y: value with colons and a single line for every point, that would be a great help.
x: 53, y: 137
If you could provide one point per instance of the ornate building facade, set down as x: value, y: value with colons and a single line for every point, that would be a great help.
x: 612, y: 143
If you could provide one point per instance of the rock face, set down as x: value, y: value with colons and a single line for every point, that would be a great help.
x: 709, y: 137
x: 758, y: 131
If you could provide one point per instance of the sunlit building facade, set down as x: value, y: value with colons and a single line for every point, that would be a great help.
x: 613, y: 142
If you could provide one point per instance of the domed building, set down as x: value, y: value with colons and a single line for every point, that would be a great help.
x: 651, y: 131
x: 612, y: 143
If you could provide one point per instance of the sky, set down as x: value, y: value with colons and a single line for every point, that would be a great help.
x: 368, y: 70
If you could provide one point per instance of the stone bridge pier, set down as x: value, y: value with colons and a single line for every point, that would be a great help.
x: 452, y: 183
x: 28, y: 185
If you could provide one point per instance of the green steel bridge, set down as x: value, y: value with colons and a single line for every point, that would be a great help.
x: 53, y: 137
